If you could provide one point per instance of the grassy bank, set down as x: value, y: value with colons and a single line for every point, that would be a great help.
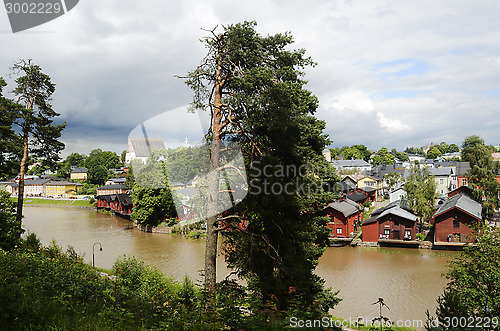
x: 56, y: 202
x: 46, y: 288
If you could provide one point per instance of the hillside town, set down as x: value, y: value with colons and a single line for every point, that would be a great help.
x: 371, y: 209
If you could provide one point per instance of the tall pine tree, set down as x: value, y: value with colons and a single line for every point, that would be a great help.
x: 35, y: 118
x: 253, y: 88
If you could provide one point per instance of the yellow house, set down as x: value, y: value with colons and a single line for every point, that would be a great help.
x: 78, y: 173
x: 61, y: 188
x: 371, y: 182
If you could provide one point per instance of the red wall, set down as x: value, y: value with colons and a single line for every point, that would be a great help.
x: 370, y: 232
x: 387, y: 222
x: 443, y: 224
x: 338, y: 220
x: 459, y: 181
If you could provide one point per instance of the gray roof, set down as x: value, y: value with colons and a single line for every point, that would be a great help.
x: 36, y: 181
x: 444, y: 171
x: 462, y: 202
x: 188, y: 191
x: 118, y: 180
x: 394, y: 208
x: 143, y: 146
x: 346, y: 207
x: 398, y: 211
x: 112, y: 187
x: 79, y: 170
x: 357, y: 196
x: 350, y: 163
x: 462, y: 168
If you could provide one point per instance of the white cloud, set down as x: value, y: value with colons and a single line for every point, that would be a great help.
x: 391, y: 124
x: 114, y: 63
x: 352, y: 101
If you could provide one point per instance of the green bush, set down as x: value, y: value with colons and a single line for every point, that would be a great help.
x: 420, y: 236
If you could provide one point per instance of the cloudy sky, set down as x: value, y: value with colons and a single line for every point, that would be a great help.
x: 389, y: 73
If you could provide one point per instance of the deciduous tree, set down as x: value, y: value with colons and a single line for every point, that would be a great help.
x: 473, y: 291
x: 482, y: 173
x: 420, y: 189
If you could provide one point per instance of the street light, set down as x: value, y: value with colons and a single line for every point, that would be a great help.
x: 100, y: 248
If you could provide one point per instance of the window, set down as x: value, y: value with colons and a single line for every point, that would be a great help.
x: 407, y: 234
x: 387, y: 232
x: 441, y: 181
x: 339, y: 230
x: 464, y: 181
x: 456, y: 224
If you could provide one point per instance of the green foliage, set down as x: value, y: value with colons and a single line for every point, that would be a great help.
x: 88, y: 189
x: 383, y: 157
x: 152, y: 205
x: 46, y: 288
x: 263, y: 91
x: 434, y: 152
x: 357, y: 152
x: 10, y: 229
x: 420, y: 189
x: 184, y: 163
x: 473, y: 290
x: 402, y: 156
x: 34, y: 90
x: 482, y: 174
x: 98, y: 164
x: 420, y: 236
x: 415, y: 150
x: 10, y: 143
x: 393, y: 179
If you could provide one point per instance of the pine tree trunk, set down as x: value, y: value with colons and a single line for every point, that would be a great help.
x: 20, y: 193
x: 213, y: 190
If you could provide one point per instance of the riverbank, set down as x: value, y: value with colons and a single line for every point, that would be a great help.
x: 61, y: 203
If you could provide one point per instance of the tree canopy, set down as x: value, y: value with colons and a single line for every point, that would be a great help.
x: 473, y: 290
x: 383, y: 157
x: 253, y: 87
x: 35, y: 118
x: 482, y: 173
x: 420, y: 189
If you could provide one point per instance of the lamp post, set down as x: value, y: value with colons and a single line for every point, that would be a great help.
x: 100, y: 248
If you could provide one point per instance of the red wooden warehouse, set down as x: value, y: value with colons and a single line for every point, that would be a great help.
x: 390, y: 223
x: 453, y: 219
x: 345, y: 215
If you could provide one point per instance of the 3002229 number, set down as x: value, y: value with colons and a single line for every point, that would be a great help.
x: 471, y: 322
x: 33, y: 8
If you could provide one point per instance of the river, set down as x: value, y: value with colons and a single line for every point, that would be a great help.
x: 409, y: 280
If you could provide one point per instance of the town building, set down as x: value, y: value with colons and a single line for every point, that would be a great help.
x: 389, y: 224
x: 78, y: 174
x: 112, y: 189
x: 350, y: 165
x: 140, y: 148
x: 345, y: 216
x: 453, y: 220
x: 61, y: 189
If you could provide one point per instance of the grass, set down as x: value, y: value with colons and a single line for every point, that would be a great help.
x: 28, y: 201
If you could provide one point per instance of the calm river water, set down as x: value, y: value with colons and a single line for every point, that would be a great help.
x: 409, y: 280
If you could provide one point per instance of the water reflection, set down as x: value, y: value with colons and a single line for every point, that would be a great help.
x: 409, y: 280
